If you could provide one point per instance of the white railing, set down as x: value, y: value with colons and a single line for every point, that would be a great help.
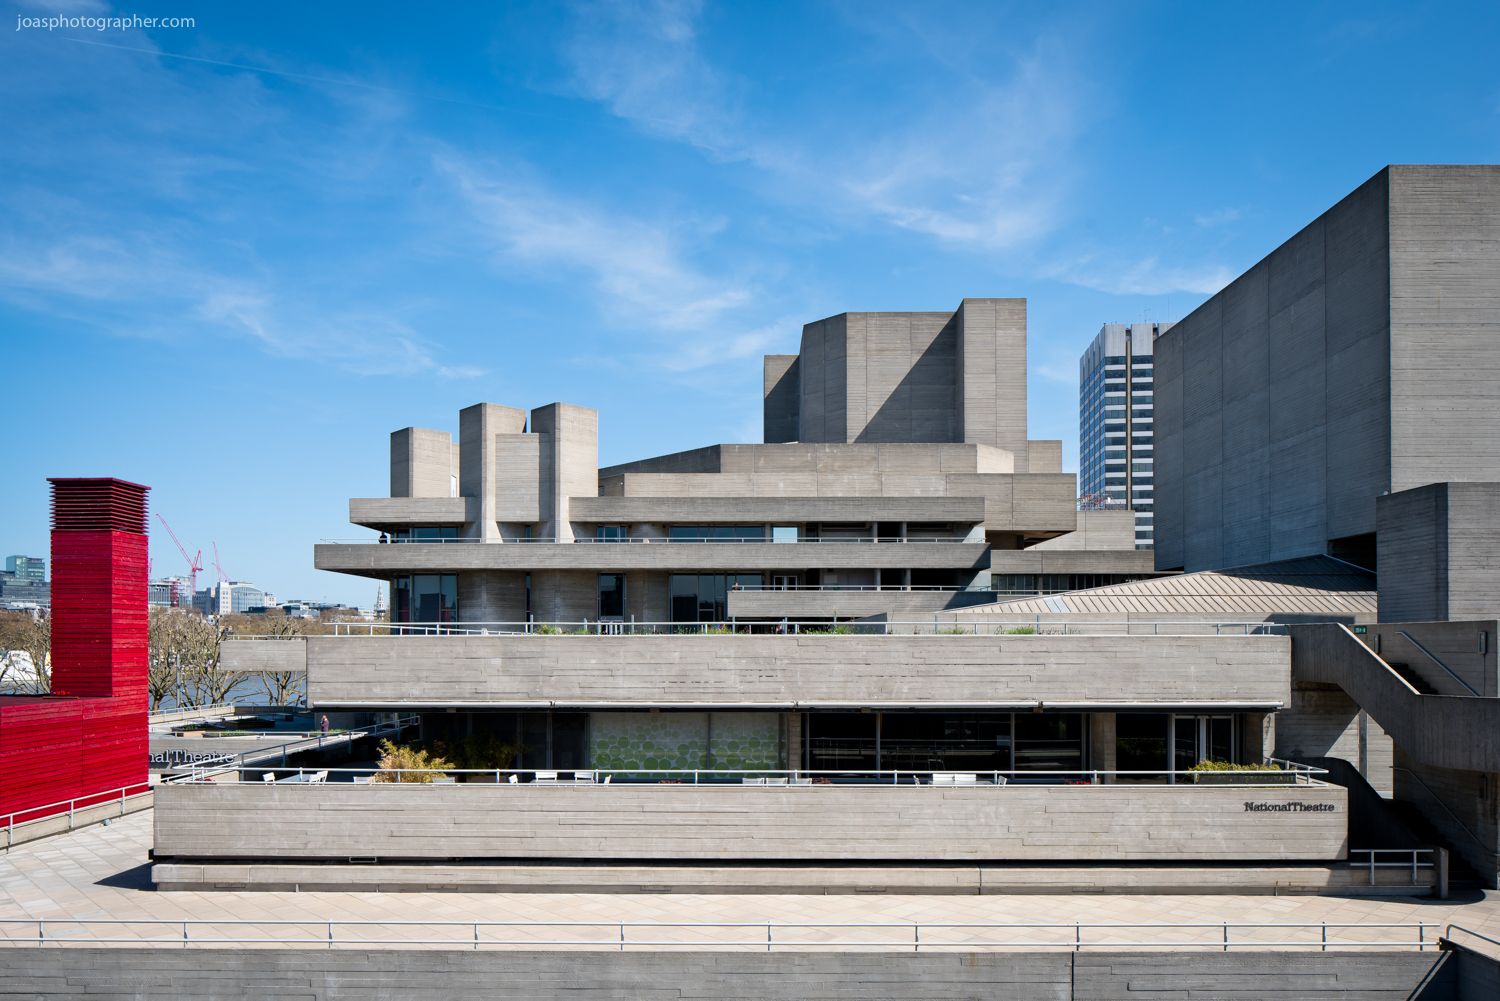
x: 47, y: 811
x: 1405, y: 858
x: 181, y: 712
x: 754, y: 540
x: 1302, y: 775
x: 770, y: 935
x: 238, y: 760
x: 1011, y: 627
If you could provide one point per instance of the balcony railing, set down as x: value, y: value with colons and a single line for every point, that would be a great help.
x: 1291, y: 774
x: 1008, y: 626
x: 758, y: 540
x: 316, y: 933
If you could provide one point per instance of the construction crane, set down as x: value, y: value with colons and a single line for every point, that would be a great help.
x: 222, y: 575
x: 194, y: 565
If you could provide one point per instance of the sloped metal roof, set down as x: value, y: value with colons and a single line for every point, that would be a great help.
x: 1314, y: 585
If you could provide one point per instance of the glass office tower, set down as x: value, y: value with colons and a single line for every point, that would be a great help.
x: 1115, y: 382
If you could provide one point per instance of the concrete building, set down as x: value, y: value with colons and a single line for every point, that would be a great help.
x: 743, y: 641
x: 1340, y: 398
x: 1358, y: 359
x: 231, y: 597
x: 1115, y: 422
x: 172, y: 592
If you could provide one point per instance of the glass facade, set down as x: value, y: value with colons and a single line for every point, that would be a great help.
x: 1012, y: 743
x: 702, y: 597
x: 426, y: 597
x: 611, y: 596
x: 1116, y: 418
x: 425, y: 533
x: 716, y: 533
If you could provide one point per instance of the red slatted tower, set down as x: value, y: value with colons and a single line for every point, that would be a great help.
x: 89, y: 735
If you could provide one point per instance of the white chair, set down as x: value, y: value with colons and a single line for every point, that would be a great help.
x: 268, y: 777
x: 514, y: 778
x: 801, y: 782
x: 954, y: 778
x: 443, y: 780
x: 776, y: 782
x: 583, y: 778
x: 753, y: 782
x: 362, y: 780
x: 546, y: 776
x: 607, y: 778
x: 319, y: 778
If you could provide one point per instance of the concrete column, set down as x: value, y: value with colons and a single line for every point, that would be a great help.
x: 1102, y: 744
x: 569, y: 463
x: 564, y: 595
x: 477, y: 427
x: 794, y: 740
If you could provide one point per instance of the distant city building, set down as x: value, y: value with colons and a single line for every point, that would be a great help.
x: 26, y: 567
x: 231, y: 598
x: 171, y: 592
x: 26, y: 594
x: 1115, y: 416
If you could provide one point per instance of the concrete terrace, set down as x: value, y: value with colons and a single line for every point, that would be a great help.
x: 103, y: 873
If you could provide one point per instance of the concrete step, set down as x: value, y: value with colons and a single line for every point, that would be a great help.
x: 1336, y: 878
x: 1413, y: 679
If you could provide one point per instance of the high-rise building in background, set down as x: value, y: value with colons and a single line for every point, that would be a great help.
x: 231, y: 598
x: 27, y: 567
x: 1115, y: 413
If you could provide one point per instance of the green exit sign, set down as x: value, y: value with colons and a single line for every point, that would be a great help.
x: 1359, y: 630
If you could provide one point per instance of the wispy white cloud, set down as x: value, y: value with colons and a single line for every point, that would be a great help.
x: 1218, y: 218
x: 982, y: 167
x: 640, y: 270
x: 1147, y: 276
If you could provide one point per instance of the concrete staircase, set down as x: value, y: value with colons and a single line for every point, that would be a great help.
x: 1462, y: 877
x: 1413, y: 679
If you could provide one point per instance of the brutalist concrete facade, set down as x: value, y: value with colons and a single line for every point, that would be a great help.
x: 1360, y: 357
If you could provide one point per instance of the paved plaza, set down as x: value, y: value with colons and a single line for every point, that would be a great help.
x: 104, y: 873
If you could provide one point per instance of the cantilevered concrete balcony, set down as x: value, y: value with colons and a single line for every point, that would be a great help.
x: 371, y: 559
x: 775, y: 510
x: 395, y: 821
x: 786, y: 673
x: 394, y: 512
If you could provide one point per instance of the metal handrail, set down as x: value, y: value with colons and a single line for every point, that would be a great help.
x: 100, y: 798
x: 589, y: 540
x: 223, y: 762
x: 156, y: 714
x: 1439, y: 800
x: 1414, y: 865
x: 735, y: 626
x: 1413, y: 641
x: 1448, y: 934
x: 1301, y: 776
x: 1072, y: 933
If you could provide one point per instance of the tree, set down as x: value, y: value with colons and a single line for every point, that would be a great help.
x: 19, y: 632
x: 286, y: 688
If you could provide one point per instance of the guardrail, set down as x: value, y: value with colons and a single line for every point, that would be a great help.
x: 47, y: 811
x: 1403, y: 854
x: 182, y: 712
x: 240, y: 760
x: 756, y: 540
x: 1301, y: 775
x: 1448, y: 934
x: 615, y: 935
x: 1029, y: 625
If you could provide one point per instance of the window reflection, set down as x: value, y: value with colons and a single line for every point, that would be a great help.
x: 704, y: 597
x: 425, y: 598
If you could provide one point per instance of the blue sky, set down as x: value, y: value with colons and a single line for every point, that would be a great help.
x: 234, y: 257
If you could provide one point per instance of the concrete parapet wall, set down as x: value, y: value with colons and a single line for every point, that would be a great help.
x: 1250, y: 879
x: 783, y: 671
x: 390, y: 561
x: 1440, y: 730
x: 376, y: 974
x: 897, y: 605
x: 622, y: 821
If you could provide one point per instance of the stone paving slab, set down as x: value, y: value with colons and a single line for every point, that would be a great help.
x: 103, y: 872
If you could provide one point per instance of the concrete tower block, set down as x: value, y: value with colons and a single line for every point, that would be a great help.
x: 423, y: 463
x: 569, y: 459
x: 783, y: 391
x: 477, y: 427
x: 990, y: 359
